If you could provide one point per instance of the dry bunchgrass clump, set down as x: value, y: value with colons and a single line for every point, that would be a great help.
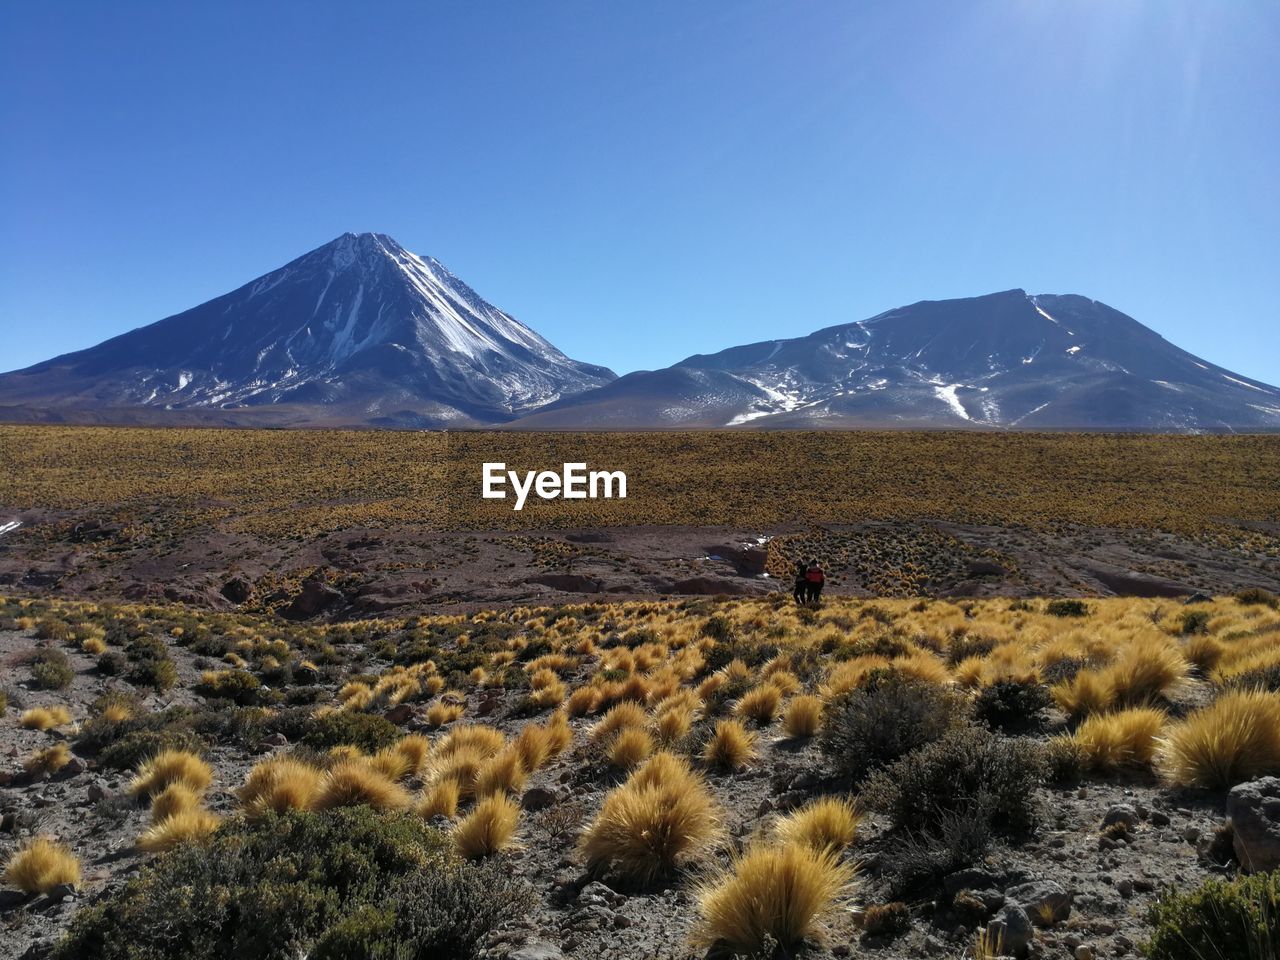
x: 582, y: 701
x: 1127, y: 738
x: 829, y: 822
x: 479, y: 737
x: 803, y: 716
x: 1144, y: 672
x: 173, y: 799
x: 49, y: 760
x: 731, y: 747
x: 183, y: 827
x: 41, y: 865
x: 533, y: 744
x: 415, y: 748
x: 489, y: 828
x: 779, y: 894
x: 171, y: 766
x: 630, y: 747
x: 1087, y: 692
x: 559, y: 733
x: 662, y: 816
x: 1234, y: 739
x: 674, y: 723
x: 626, y: 714
x: 278, y: 784
x: 439, y: 713
x: 504, y: 773
x: 391, y: 763
x: 352, y: 783
x: 45, y: 718
x: 760, y: 704
x: 440, y: 800
x: 94, y: 646
x: 460, y: 766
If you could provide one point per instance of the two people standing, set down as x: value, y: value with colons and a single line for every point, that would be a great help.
x: 810, y: 578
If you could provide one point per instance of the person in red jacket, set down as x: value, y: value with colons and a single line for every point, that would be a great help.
x: 814, y: 578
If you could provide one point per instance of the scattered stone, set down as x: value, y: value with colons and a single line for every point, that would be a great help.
x: 536, y: 950
x: 1012, y: 928
x: 1253, y: 810
x: 1045, y: 901
x: 1120, y: 813
x: 537, y: 798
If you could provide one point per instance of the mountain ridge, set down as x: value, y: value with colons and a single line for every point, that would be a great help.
x: 361, y: 332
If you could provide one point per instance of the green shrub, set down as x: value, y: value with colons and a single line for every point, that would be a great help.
x: 1067, y: 608
x: 346, y: 883
x: 113, y: 663
x: 1012, y: 704
x: 1239, y: 919
x: 1257, y: 597
x: 968, y: 769
x: 239, y: 686
x: 1194, y: 621
x: 150, y: 664
x: 874, y: 725
x: 51, y: 670
x: 365, y: 730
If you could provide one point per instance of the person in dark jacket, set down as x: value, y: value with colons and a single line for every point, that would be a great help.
x: 800, y: 589
x: 814, y: 579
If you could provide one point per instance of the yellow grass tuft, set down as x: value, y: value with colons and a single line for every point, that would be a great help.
x: 674, y: 723
x: 352, y: 783
x: 40, y: 865
x: 661, y: 817
x: 44, y: 718
x: 630, y: 747
x: 173, y: 799
x: 415, y: 748
x: 803, y: 717
x: 503, y: 773
x: 171, y: 766
x: 440, y: 799
x: 760, y: 704
x: 186, y: 826
x: 626, y: 714
x: 93, y: 646
x: 781, y: 894
x: 489, y: 828
x: 439, y: 713
x: 278, y: 784
x: 1235, y: 739
x: 479, y: 737
x: 829, y: 822
x: 731, y: 747
x: 1127, y: 738
x: 559, y: 733
x: 582, y: 701
x: 49, y: 760
x: 533, y: 744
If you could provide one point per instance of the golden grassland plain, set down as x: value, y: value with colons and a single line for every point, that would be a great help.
x: 667, y: 679
x: 298, y: 483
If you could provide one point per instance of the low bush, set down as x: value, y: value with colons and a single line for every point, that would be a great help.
x: 1067, y: 608
x: 51, y: 670
x: 1239, y: 919
x: 968, y: 769
x: 1257, y: 597
x: 238, y: 686
x: 1012, y: 704
x: 1193, y: 622
x: 367, y: 731
x: 303, y: 884
x: 872, y: 726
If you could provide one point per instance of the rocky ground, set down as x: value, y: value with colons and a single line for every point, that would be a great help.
x: 1100, y: 885
x: 403, y: 569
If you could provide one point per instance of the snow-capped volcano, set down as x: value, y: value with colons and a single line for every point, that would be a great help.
x: 359, y: 330
x: 1005, y: 360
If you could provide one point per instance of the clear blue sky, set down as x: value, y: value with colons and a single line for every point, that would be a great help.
x: 642, y: 181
